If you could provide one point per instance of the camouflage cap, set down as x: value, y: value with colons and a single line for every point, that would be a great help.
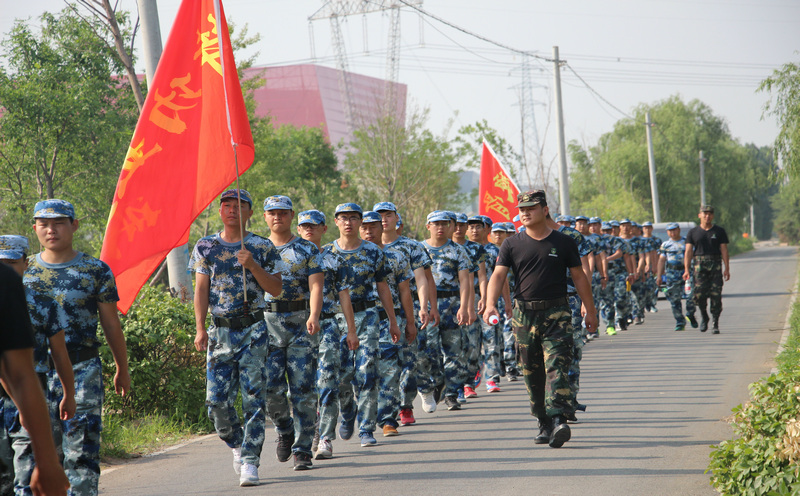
x: 625, y: 221
x: 672, y: 225
x: 707, y: 208
x: 399, y: 220
x: 348, y: 207
x: 581, y: 217
x: 234, y: 193
x: 371, y: 216
x: 53, y: 209
x: 595, y: 220
x: 531, y: 198
x: 647, y: 223
x: 311, y: 217
x: 13, y: 247
x: 475, y: 218
x: 451, y: 215
x: 606, y: 226
x: 515, y: 219
x: 614, y: 223
x: 278, y: 202
x: 384, y: 207
x: 510, y: 227
x: 461, y: 218
x: 521, y: 228
x: 487, y: 220
x: 565, y: 218
x: 437, y: 215
x: 499, y: 227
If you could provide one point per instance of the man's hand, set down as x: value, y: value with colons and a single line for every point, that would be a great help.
x: 122, y: 382
x: 67, y: 407
x: 201, y: 340
x: 352, y: 340
x: 686, y: 275
x: 49, y: 480
x: 424, y: 318
x: 727, y: 274
x: 434, y: 316
x: 462, y: 316
x: 394, y: 331
x: 490, y: 311
x: 312, y: 325
x: 245, y: 258
x: 411, y: 331
x: 591, y: 322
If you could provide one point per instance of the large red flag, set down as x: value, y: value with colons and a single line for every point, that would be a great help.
x: 498, y: 191
x: 182, y: 152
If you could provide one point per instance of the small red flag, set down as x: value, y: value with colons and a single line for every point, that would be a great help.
x: 181, y: 156
x: 498, y: 191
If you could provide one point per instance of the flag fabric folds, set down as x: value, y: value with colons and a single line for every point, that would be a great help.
x: 181, y: 156
x: 498, y: 191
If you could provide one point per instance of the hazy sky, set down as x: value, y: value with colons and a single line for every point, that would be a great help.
x: 628, y: 51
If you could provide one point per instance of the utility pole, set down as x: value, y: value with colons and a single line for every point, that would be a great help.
x: 702, y: 179
x: 563, y: 178
x: 652, y: 163
x: 180, y: 281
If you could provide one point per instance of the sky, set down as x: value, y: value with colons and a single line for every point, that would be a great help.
x: 461, y: 60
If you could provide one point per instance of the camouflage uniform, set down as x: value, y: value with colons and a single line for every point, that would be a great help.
x: 292, y: 354
x: 491, y: 335
x: 674, y: 252
x: 358, y: 381
x: 651, y: 285
x: 509, y: 339
x: 78, y: 286
x: 617, y: 305
x: 452, y: 371
x: 473, y: 332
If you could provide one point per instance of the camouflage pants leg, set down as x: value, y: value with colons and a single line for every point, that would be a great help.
x: 674, y: 291
x: 510, y: 365
x: 80, y: 435
x: 8, y: 416
x: 651, y: 291
x: 472, y: 341
x: 389, y: 367
x: 708, y: 285
x: 430, y: 369
x: 454, y: 344
x: 607, y: 308
x: 639, y: 291
x: 235, y: 364
x: 358, y: 381
x: 621, y: 296
x: 291, y: 357
x: 545, y: 348
x: 328, y: 366
x: 491, y: 340
x: 578, y: 340
x: 408, y: 374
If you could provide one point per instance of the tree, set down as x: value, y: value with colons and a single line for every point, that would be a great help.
x: 784, y: 103
x: 66, y: 123
x: 409, y: 166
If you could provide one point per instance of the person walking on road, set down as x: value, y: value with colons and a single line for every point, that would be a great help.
x: 540, y: 257
x: 708, y: 245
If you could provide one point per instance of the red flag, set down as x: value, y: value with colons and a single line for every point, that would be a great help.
x: 498, y: 191
x: 182, y: 152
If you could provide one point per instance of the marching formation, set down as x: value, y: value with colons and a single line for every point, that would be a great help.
x: 338, y: 340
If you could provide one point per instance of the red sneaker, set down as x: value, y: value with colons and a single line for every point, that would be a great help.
x: 492, y: 387
x: 469, y: 392
x: 407, y: 416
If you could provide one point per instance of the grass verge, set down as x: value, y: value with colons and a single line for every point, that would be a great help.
x: 125, y: 438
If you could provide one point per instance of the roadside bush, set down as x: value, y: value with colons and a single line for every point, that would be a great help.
x: 740, y: 245
x: 167, y: 373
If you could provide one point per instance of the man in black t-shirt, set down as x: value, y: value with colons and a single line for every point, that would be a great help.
x: 540, y: 258
x: 708, y: 245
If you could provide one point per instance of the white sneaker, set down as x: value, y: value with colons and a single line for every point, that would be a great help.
x: 324, y: 449
x: 428, y: 402
x: 249, y: 475
x: 237, y: 460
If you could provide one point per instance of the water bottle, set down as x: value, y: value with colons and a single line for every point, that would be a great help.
x: 687, y: 288
x: 494, y: 319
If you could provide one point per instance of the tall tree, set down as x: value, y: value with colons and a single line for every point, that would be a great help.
x: 784, y: 88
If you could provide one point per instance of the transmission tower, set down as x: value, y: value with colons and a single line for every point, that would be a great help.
x: 531, y: 148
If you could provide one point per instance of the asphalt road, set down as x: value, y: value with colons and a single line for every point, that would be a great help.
x: 656, y: 400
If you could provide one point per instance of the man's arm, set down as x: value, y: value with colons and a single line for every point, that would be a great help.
x: 483, y: 283
x: 423, y: 291
x: 432, y: 298
x: 465, y: 289
x: 385, y: 295
x: 407, y: 304
x: 349, y: 317
x: 271, y: 283
x: 497, y: 283
x: 584, y: 290
x: 687, y: 260
x: 16, y: 369
x: 726, y: 272
x: 662, y: 265
x: 202, y: 286
x: 586, y: 266
x: 109, y: 320
x: 63, y: 366
x: 315, y: 285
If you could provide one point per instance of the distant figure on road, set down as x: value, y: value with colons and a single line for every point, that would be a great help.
x: 671, y: 266
x: 708, y: 244
x: 540, y: 257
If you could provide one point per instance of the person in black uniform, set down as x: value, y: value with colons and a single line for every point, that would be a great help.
x: 540, y: 257
x: 707, y: 244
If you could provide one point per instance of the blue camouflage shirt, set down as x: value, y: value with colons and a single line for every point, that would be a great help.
x: 302, y: 259
x: 399, y: 270
x: 216, y: 258
x: 48, y: 319
x: 337, y: 278
x: 584, y: 248
x: 416, y: 254
x: 448, y: 260
x: 492, y: 252
x: 367, y: 265
x: 674, y: 252
x: 77, y: 286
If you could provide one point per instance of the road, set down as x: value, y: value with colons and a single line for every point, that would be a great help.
x: 656, y: 400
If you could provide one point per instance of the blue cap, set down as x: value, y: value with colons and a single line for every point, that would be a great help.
x: 399, y: 221
x: 606, y: 225
x: 510, y: 227
x: 581, y: 217
x: 672, y: 225
x: 278, y: 202
x: 625, y: 221
x: 53, y: 209
x: 516, y: 218
x: 387, y: 206
x: 13, y: 247
x: 565, y: 218
x: 348, y: 207
x: 451, y: 215
x: 521, y: 228
x: 476, y: 218
x: 647, y: 224
x: 499, y: 227
x: 595, y: 220
x: 310, y: 217
x: 234, y: 193
x: 437, y: 215
x: 487, y: 220
x: 371, y: 216
x: 461, y: 218
x: 613, y: 223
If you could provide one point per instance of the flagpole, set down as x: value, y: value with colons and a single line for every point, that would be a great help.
x: 241, y: 223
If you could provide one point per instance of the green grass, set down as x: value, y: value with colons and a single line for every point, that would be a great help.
x: 131, y: 438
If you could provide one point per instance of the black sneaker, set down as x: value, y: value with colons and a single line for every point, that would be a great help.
x: 302, y: 461
x: 560, y: 433
x: 692, y: 320
x: 452, y: 403
x: 716, y: 327
x: 284, y: 448
x: 545, y: 430
x: 703, y: 325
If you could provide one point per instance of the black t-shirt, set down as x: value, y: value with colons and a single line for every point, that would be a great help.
x: 15, y: 323
x: 540, y: 267
x: 707, y: 242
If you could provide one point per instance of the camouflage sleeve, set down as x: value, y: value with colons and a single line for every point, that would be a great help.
x: 312, y: 260
x: 198, y: 262
x: 57, y: 319
x: 464, y: 262
x: 381, y: 269
x: 106, y: 287
x: 419, y: 257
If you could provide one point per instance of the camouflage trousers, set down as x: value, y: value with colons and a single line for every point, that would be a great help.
x: 544, y: 339
x: 454, y: 347
x: 79, y: 437
x: 708, y: 285
x: 651, y: 291
x: 358, y: 377
x: 291, y: 360
x: 472, y: 335
x: 235, y: 364
x: 617, y: 299
x: 638, y: 302
x: 578, y: 340
x: 492, y: 342
x: 430, y: 368
x: 408, y: 355
x: 390, y: 365
x: 509, y: 343
x: 675, y: 286
x: 329, y: 363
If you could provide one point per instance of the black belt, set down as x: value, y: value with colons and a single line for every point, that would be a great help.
x: 238, y: 322
x: 325, y: 315
x: 82, y: 354
x: 708, y: 257
x: 287, y: 306
x: 382, y: 315
x: 447, y: 294
x: 360, y: 306
x: 543, y: 304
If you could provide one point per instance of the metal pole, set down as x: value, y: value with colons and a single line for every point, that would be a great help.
x: 702, y: 179
x: 180, y: 280
x: 563, y: 178
x: 652, y: 162
x: 752, y: 221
